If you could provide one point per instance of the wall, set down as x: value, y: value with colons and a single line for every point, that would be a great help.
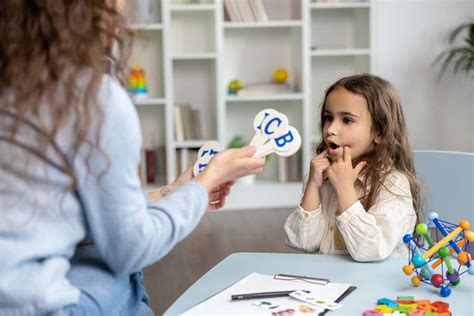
x: 408, y: 35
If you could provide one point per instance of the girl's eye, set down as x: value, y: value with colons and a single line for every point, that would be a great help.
x: 327, y: 118
x: 347, y: 120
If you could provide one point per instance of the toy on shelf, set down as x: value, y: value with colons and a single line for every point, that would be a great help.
x: 235, y: 86
x: 407, y: 305
x: 280, y: 75
x: 454, y: 244
x: 137, y: 86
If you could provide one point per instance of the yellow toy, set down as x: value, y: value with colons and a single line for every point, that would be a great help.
x: 280, y: 75
x: 234, y: 86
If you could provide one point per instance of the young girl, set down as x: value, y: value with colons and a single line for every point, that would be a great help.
x: 362, y: 195
x: 70, y: 145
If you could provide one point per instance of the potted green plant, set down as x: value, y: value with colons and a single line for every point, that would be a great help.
x: 238, y: 142
x: 461, y: 57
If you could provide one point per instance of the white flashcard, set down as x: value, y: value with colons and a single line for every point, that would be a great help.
x: 274, y: 125
x: 310, y: 299
x: 259, y: 138
x: 285, y: 145
x: 205, y: 154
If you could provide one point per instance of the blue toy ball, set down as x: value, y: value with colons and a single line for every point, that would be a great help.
x: 407, y: 238
x: 432, y: 216
x: 445, y: 291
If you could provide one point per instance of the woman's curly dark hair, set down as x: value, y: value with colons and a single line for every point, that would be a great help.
x: 53, y: 55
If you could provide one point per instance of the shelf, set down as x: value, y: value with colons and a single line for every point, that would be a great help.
x: 340, y: 5
x: 147, y: 27
x: 341, y: 52
x: 192, y: 144
x: 194, y: 56
x: 275, y: 97
x: 149, y: 101
x: 268, y: 24
x: 193, y: 7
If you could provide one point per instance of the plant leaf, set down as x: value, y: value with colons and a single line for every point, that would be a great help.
x: 459, y: 29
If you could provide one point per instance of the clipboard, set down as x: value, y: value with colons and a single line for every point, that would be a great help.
x: 221, y: 303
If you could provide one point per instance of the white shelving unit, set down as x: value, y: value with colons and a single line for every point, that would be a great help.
x: 190, y: 53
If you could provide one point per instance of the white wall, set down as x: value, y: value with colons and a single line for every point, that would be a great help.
x: 408, y: 35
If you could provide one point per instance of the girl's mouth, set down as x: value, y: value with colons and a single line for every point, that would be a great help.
x: 333, y: 146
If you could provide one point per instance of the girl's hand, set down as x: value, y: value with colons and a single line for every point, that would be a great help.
x: 319, y: 165
x: 341, y: 174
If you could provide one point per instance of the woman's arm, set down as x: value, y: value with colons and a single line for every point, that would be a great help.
x: 129, y: 231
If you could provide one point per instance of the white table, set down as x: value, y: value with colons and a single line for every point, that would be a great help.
x: 373, y: 280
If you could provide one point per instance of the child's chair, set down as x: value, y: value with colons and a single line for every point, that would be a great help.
x: 448, y: 183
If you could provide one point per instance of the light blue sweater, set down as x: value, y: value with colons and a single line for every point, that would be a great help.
x: 40, y: 225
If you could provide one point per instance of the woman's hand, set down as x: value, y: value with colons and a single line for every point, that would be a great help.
x: 218, y: 195
x: 319, y: 165
x: 230, y: 165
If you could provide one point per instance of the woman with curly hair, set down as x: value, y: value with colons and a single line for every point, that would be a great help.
x: 76, y: 228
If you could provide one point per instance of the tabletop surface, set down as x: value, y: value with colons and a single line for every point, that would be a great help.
x: 374, y: 280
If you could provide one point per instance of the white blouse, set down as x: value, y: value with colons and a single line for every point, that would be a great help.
x: 366, y: 235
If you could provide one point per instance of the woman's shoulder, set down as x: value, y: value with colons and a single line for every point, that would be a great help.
x: 120, y: 115
x: 112, y: 91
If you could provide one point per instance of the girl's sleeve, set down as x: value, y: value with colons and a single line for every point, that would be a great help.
x: 129, y: 232
x: 374, y: 235
x: 304, y: 230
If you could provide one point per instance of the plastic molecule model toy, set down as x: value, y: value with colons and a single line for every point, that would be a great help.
x: 429, y: 263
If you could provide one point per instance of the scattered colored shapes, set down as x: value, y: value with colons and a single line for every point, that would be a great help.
x: 371, y: 313
x: 441, y: 306
x: 384, y: 309
x: 388, y: 302
x: 412, y: 308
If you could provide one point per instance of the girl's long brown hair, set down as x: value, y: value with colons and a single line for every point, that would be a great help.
x: 393, y: 152
x: 53, y: 55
